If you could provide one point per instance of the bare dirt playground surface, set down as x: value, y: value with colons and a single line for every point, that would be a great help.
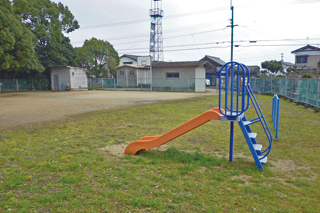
x: 22, y: 108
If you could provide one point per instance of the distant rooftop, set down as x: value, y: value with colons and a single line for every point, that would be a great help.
x: 179, y: 64
x: 215, y: 59
x: 306, y: 48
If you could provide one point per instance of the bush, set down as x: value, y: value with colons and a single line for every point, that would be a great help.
x: 305, y: 75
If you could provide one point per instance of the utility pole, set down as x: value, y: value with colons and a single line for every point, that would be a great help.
x: 231, y: 59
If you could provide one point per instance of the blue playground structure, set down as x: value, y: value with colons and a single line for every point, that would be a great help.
x: 238, y: 94
x: 276, y: 114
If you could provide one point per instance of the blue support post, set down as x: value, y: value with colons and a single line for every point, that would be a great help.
x: 231, y: 142
x: 278, y: 118
x: 273, y: 107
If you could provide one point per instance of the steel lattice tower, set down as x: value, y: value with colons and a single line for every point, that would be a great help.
x: 156, y: 41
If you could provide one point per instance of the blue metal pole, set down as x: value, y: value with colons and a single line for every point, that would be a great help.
x: 273, y: 107
x: 275, y: 112
x: 278, y: 118
x: 231, y: 142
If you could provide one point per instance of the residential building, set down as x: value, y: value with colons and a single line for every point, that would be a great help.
x: 307, y: 59
x: 212, y: 70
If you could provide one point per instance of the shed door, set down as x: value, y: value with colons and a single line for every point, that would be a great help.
x: 56, y: 82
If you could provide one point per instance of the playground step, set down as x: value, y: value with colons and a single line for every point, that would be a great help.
x: 257, y: 147
x: 252, y: 135
x: 264, y: 160
x: 232, y: 117
x: 246, y: 123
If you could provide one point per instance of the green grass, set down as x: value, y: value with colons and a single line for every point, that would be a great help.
x: 60, y: 167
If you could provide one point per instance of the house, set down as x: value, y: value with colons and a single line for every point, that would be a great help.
x: 65, y: 77
x: 166, y: 76
x: 134, y: 60
x: 182, y: 75
x: 307, y: 59
x: 212, y: 70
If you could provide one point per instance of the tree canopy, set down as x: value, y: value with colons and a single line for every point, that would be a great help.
x: 17, y: 55
x: 273, y: 66
x: 98, y: 56
x: 49, y: 21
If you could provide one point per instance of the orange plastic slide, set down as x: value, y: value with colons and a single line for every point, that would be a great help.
x: 150, y: 142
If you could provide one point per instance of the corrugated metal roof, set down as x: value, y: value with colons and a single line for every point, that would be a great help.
x: 133, y: 66
x: 66, y: 66
x: 180, y: 64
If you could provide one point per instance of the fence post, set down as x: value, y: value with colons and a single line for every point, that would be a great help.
x: 32, y: 85
x: 307, y: 98
x: 101, y: 83
x: 271, y: 86
x: 298, y: 90
x: 317, y: 93
x: 114, y: 84
x: 188, y: 84
x: 17, y: 84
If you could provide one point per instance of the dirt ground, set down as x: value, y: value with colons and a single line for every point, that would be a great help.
x: 22, y: 108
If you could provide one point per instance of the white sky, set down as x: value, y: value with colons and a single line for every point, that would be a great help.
x: 199, y: 27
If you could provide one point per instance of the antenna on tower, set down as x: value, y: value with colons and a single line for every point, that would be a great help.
x: 156, y: 40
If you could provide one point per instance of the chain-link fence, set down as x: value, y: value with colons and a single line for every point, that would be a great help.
x: 304, y: 90
x: 10, y: 85
x: 169, y: 84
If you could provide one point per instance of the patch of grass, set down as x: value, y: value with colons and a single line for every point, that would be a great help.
x: 60, y: 167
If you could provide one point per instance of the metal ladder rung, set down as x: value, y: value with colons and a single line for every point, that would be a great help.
x: 264, y: 160
x: 246, y: 123
x: 252, y: 135
x: 257, y: 147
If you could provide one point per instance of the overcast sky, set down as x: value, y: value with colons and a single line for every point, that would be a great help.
x: 194, y: 29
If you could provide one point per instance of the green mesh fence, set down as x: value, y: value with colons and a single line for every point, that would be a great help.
x: 11, y: 85
x: 144, y: 84
x: 304, y: 90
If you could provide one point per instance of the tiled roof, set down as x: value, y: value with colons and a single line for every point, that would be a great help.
x: 215, y: 59
x: 306, y: 48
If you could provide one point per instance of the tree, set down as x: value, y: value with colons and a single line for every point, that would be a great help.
x: 273, y: 65
x: 48, y: 21
x: 17, y: 56
x: 99, y: 56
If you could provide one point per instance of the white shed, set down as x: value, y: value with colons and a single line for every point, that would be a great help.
x: 64, y: 77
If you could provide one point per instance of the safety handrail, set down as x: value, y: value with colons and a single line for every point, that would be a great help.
x: 230, y: 69
x: 262, y: 120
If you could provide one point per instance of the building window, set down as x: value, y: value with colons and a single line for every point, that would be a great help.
x: 172, y: 75
x: 127, y: 62
x: 121, y: 72
x: 131, y: 72
x: 302, y: 59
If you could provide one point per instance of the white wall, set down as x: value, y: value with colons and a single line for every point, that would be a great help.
x: 64, y: 77
x: 144, y: 61
x: 78, y: 78
x: 200, y: 75
x: 126, y: 59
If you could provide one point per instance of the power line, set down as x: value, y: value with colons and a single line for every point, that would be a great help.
x: 147, y: 20
x: 221, y: 47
